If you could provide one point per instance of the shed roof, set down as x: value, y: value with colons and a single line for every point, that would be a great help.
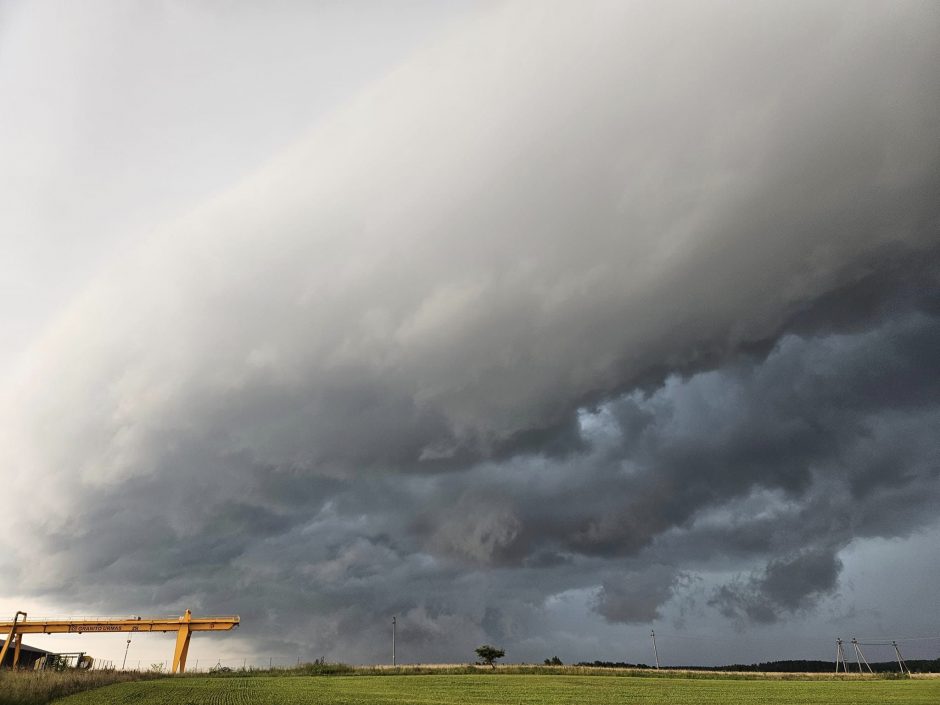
x: 26, y: 648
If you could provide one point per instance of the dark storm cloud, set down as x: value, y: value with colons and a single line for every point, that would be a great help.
x: 828, y: 426
x: 547, y: 310
x: 785, y: 586
x: 637, y: 597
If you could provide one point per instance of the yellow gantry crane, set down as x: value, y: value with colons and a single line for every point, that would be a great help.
x: 184, y: 626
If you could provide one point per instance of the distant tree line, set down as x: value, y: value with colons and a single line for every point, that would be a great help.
x: 792, y: 666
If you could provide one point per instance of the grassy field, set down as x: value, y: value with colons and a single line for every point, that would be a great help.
x: 509, y: 689
x: 36, y: 687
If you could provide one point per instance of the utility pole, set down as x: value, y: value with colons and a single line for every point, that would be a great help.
x: 840, y: 656
x: 859, y: 656
x: 655, y: 652
x: 901, y: 663
x: 126, y: 649
x: 394, y: 624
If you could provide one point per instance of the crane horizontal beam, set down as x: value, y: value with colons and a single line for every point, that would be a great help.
x: 135, y: 624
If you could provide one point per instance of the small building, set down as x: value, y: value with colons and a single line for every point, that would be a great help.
x: 29, y: 655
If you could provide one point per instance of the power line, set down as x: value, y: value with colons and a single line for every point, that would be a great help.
x: 867, y: 641
x: 737, y: 639
x: 888, y: 640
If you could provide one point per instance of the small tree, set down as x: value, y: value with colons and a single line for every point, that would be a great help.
x: 488, y: 654
x: 554, y: 661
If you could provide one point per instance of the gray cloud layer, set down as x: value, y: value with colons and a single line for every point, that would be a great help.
x: 580, y: 299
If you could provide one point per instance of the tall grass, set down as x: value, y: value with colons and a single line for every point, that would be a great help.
x: 39, y: 687
x: 320, y: 668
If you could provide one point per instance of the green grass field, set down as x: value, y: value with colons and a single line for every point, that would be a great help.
x: 509, y: 689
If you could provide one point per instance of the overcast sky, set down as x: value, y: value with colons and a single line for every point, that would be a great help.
x: 538, y: 324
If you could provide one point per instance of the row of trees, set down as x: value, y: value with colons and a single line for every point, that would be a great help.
x: 489, y: 654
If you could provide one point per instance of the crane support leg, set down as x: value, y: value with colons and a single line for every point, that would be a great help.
x: 10, y: 637
x: 16, y: 651
x: 6, y: 645
x: 182, y: 649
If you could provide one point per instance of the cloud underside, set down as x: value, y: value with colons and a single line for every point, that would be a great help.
x: 550, y: 308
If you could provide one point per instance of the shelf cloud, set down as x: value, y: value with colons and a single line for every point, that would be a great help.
x: 599, y: 297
